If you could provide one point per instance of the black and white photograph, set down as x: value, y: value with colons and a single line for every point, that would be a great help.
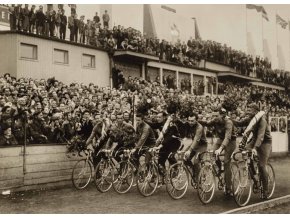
x: 145, y: 107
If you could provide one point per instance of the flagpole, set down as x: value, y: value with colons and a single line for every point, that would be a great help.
x: 247, y: 30
x: 263, y: 36
x: 277, y: 38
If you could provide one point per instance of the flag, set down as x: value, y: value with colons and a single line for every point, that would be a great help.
x: 259, y: 9
x: 197, y: 34
x: 281, y: 21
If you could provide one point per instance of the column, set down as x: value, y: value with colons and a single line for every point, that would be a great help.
x: 205, y: 85
x: 161, y: 75
x: 177, y: 79
x: 143, y: 71
x: 191, y: 83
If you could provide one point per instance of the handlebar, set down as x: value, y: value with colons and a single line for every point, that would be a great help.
x: 245, y: 155
x: 211, y: 154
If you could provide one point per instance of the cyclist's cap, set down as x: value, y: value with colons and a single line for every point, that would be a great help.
x: 254, y: 106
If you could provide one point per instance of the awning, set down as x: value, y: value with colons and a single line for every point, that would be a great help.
x: 226, y: 76
x: 134, y: 56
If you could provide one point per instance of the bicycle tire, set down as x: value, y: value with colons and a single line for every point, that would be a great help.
x: 82, y: 179
x: 147, y: 177
x: 124, y: 178
x: 271, y: 180
x: 206, y: 184
x: 242, y: 181
x: 173, y: 187
x: 104, y: 176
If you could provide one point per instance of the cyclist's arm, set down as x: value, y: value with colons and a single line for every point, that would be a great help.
x: 207, y: 123
x: 261, y: 133
x: 228, y: 133
x: 197, y: 137
x: 241, y: 123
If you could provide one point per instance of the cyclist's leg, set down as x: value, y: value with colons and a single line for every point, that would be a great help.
x: 229, y: 149
x: 173, y: 149
x: 196, y: 166
x: 215, y: 147
x: 264, y: 152
x: 118, y: 151
x: 163, y: 155
x: 97, y: 158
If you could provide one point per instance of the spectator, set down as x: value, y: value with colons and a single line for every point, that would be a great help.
x: 96, y: 18
x: 106, y: 19
x: 6, y: 137
x: 57, y: 23
x: 40, y: 20
x: 63, y: 23
x: 71, y: 26
x: 82, y: 29
x: 32, y: 19
x: 25, y: 14
x: 12, y: 17
x: 76, y: 28
x: 52, y: 23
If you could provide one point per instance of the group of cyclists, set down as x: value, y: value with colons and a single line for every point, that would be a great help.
x: 161, y: 131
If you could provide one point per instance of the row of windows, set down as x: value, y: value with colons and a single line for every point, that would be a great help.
x: 29, y: 51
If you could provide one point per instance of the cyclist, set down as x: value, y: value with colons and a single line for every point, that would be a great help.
x: 123, y: 134
x: 167, y: 141
x: 195, y: 131
x: 226, y: 141
x: 260, y: 143
x: 145, y: 136
x: 100, y: 134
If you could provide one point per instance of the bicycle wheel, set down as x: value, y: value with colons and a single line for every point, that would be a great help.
x: 178, y: 178
x: 271, y: 180
x: 147, y: 179
x: 206, y: 184
x: 104, y: 176
x: 242, y: 185
x: 82, y: 174
x: 124, y: 177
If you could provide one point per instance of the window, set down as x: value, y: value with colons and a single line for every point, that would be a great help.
x: 89, y: 61
x: 28, y: 51
x: 60, y: 56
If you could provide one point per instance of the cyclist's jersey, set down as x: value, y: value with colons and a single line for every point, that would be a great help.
x: 261, y: 132
x: 145, y: 135
x: 123, y: 134
x: 197, y: 134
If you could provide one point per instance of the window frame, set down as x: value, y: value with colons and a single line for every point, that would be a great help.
x: 93, y: 61
x: 34, y: 50
x: 66, y: 57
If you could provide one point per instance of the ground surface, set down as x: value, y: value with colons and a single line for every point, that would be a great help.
x: 280, y: 209
x: 69, y: 200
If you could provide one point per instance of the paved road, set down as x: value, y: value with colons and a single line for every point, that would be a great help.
x: 283, y: 208
x: 69, y: 200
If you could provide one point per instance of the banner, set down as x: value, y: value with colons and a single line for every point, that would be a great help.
x: 166, y: 23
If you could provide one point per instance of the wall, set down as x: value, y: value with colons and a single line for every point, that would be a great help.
x: 45, y: 165
x: 45, y: 67
x: 8, y: 54
x: 73, y: 72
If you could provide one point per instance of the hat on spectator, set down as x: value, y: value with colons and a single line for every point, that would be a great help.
x: 4, y: 127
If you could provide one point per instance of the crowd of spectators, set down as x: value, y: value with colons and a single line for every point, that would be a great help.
x: 55, y: 112
x: 95, y: 33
